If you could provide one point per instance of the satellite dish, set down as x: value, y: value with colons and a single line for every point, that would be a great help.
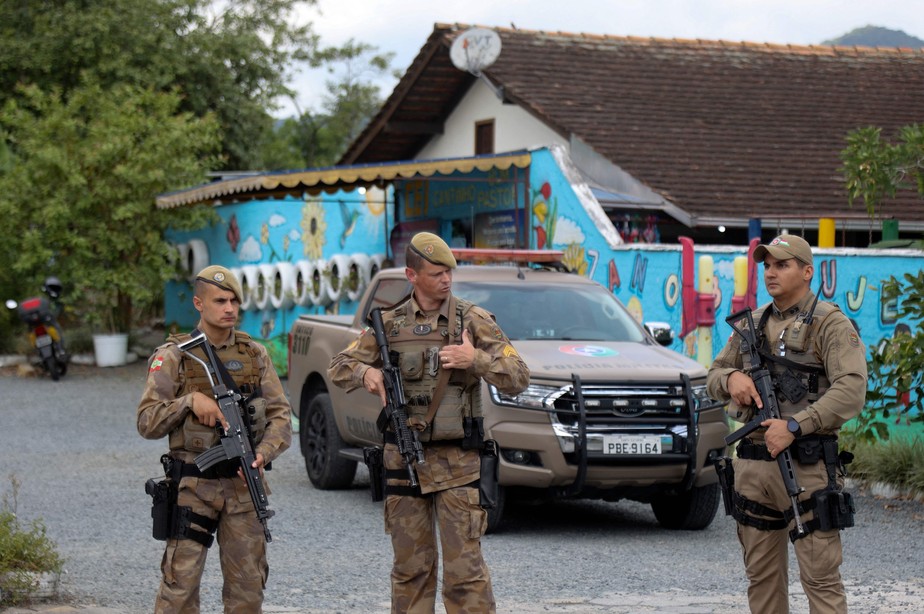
x: 475, y: 49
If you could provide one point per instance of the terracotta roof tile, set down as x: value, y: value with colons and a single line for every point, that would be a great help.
x: 723, y: 129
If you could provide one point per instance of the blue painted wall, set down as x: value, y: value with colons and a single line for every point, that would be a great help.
x: 309, y: 233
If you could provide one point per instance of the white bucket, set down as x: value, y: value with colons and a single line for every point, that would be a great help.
x: 110, y: 350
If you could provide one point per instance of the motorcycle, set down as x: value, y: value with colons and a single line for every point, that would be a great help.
x: 44, y: 333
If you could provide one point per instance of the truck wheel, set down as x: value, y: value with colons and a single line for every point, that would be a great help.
x: 495, y: 516
x: 321, y: 444
x: 693, y: 510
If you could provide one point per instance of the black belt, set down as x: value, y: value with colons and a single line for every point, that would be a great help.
x: 801, y: 449
x: 753, y: 451
x: 224, y: 469
x: 390, y: 438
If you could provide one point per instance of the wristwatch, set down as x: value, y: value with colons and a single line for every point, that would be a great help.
x: 794, y: 427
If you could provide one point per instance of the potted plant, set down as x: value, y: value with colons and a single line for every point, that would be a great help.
x: 110, y: 319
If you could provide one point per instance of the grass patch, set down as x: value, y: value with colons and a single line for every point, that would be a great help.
x: 26, y: 552
x: 899, y: 462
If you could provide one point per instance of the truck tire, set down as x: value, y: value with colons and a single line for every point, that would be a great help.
x: 692, y: 511
x: 321, y: 444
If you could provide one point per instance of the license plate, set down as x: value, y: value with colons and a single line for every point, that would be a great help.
x: 42, y: 341
x: 631, y: 444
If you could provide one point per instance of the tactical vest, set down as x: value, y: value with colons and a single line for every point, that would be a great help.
x: 240, y: 359
x: 799, y: 378
x: 418, y: 349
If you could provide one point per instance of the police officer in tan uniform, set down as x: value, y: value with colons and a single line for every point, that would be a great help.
x: 818, y: 366
x: 177, y: 403
x: 446, y: 346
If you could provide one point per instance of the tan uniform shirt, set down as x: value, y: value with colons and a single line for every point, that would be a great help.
x: 161, y: 410
x: 495, y: 359
x: 836, y: 345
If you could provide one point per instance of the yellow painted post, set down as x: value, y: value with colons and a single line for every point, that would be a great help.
x: 741, y: 283
x: 826, y: 232
x: 741, y: 275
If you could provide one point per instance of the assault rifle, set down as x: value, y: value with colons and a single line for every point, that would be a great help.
x: 236, y: 442
x: 395, y: 410
x: 742, y: 323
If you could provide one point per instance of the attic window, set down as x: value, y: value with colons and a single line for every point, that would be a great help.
x: 484, y: 137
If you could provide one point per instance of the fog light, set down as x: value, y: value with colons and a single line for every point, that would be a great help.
x: 518, y: 457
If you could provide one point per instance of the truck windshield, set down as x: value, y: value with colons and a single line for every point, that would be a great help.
x: 567, y: 312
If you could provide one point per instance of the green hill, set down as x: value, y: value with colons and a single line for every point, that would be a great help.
x: 874, y: 36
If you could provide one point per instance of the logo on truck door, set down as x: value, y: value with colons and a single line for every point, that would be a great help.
x: 594, y: 351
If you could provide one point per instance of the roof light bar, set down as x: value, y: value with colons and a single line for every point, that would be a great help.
x: 508, y: 255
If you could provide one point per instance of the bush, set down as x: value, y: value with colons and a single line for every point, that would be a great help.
x: 895, y: 389
x: 25, y: 551
x: 898, y: 462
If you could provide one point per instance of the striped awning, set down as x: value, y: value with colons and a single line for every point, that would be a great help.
x: 332, y: 179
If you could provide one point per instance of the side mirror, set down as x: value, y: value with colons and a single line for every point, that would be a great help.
x: 661, y: 331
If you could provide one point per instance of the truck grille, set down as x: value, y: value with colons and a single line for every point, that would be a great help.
x: 612, y: 406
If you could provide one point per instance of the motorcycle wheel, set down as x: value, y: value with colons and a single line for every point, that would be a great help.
x: 51, y: 365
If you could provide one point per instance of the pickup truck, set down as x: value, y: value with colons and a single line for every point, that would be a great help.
x: 609, y: 412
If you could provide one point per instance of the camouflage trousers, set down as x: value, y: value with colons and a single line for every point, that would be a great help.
x: 766, y: 553
x: 242, y: 550
x: 412, y: 523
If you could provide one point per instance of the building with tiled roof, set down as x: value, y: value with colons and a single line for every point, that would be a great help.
x: 711, y: 133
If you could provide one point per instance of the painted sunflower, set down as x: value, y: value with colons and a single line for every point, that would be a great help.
x: 314, y: 229
x: 574, y: 259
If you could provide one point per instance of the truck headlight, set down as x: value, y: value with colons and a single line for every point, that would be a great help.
x: 701, y: 399
x: 534, y: 397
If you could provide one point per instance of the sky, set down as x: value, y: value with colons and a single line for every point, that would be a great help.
x: 402, y: 26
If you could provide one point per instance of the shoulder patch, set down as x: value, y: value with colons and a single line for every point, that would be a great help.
x: 509, y: 351
x: 481, y: 312
x: 157, y: 363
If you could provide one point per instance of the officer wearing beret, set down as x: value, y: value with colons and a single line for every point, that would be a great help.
x: 818, y: 367
x: 177, y: 403
x: 446, y: 346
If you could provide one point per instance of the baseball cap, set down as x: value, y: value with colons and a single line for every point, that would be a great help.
x: 221, y: 277
x: 433, y: 249
x: 785, y: 247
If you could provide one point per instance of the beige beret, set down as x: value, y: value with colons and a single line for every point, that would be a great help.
x: 785, y: 247
x: 433, y: 249
x: 221, y: 277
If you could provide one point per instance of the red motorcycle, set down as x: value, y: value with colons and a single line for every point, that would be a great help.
x: 44, y: 333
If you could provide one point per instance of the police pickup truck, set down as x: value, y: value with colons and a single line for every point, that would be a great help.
x: 609, y: 412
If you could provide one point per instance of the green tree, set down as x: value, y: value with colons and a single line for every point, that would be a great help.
x: 230, y: 59
x: 319, y: 138
x: 875, y: 169
x: 896, y: 366
x: 78, y: 197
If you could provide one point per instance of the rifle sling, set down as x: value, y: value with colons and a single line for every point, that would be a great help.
x: 443, y: 378
x: 222, y: 371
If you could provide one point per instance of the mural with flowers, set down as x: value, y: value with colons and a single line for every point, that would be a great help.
x: 289, y: 243
x: 544, y: 214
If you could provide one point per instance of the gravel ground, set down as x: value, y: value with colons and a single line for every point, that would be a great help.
x: 82, y: 466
